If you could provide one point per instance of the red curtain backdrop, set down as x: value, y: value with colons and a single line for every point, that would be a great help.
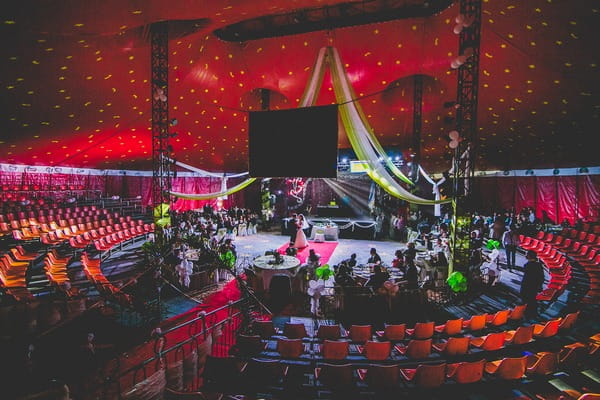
x: 554, y: 198
x: 546, y: 198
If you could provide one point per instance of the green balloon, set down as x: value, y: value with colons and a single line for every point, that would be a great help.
x: 228, y: 258
x: 323, y: 272
x: 492, y: 244
x: 457, y: 282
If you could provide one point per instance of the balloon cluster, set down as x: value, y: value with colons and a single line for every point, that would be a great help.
x: 159, y: 94
x: 462, y: 22
x: 455, y: 139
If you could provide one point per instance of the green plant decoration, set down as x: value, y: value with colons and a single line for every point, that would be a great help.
x: 457, y: 282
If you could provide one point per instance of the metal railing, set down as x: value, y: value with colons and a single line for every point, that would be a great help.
x: 209, y: 333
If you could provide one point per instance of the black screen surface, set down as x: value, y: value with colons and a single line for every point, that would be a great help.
x: 300, y: 142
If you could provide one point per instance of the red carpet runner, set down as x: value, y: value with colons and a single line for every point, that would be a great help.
x: 325, y: 249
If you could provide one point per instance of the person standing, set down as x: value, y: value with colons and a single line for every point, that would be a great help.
x: 300, y: 241
x: 293, y: 228
x: 510, y: 239
x: 531, y: 285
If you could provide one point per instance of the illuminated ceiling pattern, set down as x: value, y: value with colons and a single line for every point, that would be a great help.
x: 74, y: 81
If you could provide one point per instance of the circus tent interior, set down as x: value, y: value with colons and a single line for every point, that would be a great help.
x: 143, y: 256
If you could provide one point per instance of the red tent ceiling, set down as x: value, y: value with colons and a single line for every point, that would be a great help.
x: 75, y: 91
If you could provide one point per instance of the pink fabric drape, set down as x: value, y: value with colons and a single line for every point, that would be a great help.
x: 525, y: 193
x: 546, y: 198
x: 567, y: 198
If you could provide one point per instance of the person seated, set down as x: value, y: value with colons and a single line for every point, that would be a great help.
x: 379, y: 276
x: 398, y: 261
x: 351, y: 261
x: 227, y: 246
x: 313, y: 258
x: 412, y: 275
x: 411, y: 251
x: 345, y: 268
x: 374, y: 258
x: 343, y: 278
x: 439, y: 246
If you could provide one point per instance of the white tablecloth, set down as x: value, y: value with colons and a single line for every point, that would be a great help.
x: 266, y: 271
x: 331, y: 232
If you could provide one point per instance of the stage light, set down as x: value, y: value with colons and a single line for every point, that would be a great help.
x: 397, y: 158
x: 507, y: 172
x: 556, y: 171
x: 344, y: 160
x: 583, y: 170
x: 529, y: 172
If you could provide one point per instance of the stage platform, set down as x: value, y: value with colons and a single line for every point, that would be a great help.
x: 349, y: 228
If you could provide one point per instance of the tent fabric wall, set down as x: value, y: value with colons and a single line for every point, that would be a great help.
x: 554, y: 198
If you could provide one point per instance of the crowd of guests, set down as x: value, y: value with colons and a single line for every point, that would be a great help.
x: 208, y: 222
x: 204, y: 226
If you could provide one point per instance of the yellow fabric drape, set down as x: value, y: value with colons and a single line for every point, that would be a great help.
x: 206, y: 196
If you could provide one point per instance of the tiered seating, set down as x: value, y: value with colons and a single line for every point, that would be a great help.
x: 557, y: 264
x: 330, y: 342
x: 346, y: 363
x: 555, y: 251
x: 92, y: 270
x: 13, y: 277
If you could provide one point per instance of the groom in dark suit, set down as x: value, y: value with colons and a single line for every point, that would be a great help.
x: 293, y: 229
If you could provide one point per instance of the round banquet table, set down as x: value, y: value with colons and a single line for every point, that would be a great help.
x: 265, y: 271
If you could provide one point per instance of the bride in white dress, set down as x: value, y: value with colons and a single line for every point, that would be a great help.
x: 301, y: 241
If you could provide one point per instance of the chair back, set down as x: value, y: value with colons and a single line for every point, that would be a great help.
x: 477, y: 322
x: 249, y: 345
x: 423, y: 330
x: 494, y: 341
x: 382, y: 376
x: 394, y: 332
x: 523, y: 334
x: 418, y: 349
x: 550, y: 329
x: 430, y: 376
x: 360, y: 333
x: 339, y: 376
x: 568, y: 321
x: 544, y: 363
x: 377, y: 350
x: 512, y: 368
x: 260, y: 372
x: 518, y: 312
x: 294, y: 330
x: 500, y: 318
x: 265, y: 329
x: 457, y: 346
x: 330, y: 332
x: 453, y: 326
x: 290, y: 348
x: 335, y: 350
x: 469, y: 372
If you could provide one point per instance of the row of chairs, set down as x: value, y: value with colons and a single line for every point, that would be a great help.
x: 416, y: 349
x: 344, y: 377
x: 421, y: 330
x: 555, y: 261
x: 34, y: 231
x: 93, y: 271
x: 52, y: 212
x: 584, y: 247
x: 108, y: 241
x: 65, y: 219
x: 586, y: 254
